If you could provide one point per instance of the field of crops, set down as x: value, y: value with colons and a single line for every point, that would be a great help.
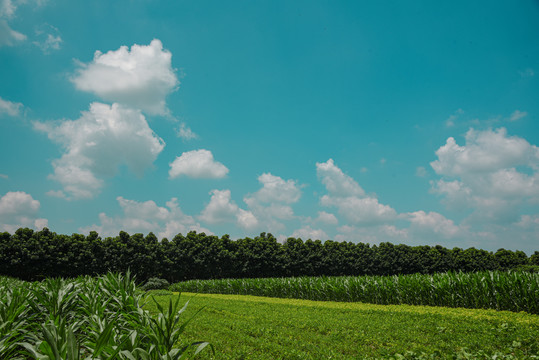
x: 88, y: 318
x: 251, y: 327
x: 110, y: 318
x: 513, y: 291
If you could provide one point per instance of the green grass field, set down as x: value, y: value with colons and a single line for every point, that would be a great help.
x: 249, y: 327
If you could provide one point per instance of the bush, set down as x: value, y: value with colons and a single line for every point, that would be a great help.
x: 156, y: 284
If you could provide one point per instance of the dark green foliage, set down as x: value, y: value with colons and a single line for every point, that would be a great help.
x: 35, y: 255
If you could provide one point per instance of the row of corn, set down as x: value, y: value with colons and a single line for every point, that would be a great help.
x: 509, y: 290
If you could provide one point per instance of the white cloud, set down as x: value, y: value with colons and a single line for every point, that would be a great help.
x: 337, y: 182
x: 361, y: 210
x: 4, y: 176
x: 56, y: 193
x: 9, y: 108
x: 222, y: 209
x: 433, y: 222
x: 271, y: 203
x: 145, y: 217
x: 185, y: 132
x: 275, y: 189
x: 484, y: 151
x: 19, y: 209
x: 197, y: 164
x: 7, y: 9
x: 349, y: 198
x: 327, y: 218
x: 493, y: 174
x: 307, y: 232
x: 517, y: 115
x: 140, y: 78
x: 97, y: 143
x: 8, y: 36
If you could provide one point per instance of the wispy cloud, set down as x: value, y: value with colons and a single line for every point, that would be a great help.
x: 517, y: 115
x: 10, y: 108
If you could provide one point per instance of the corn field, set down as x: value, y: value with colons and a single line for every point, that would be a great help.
x: 88, y: 318
x: 513, y: 291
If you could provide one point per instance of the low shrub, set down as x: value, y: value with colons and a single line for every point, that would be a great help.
x: 156, y: 284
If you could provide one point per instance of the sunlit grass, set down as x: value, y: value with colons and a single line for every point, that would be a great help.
x: 251, y: 327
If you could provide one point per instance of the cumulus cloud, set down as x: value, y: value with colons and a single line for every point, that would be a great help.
x: 19, y: 209
x: 145, y: 217
x: 271, y: 204
x: 275, y: 190
x: 337, y: 183
x: 222, y: 209
x: 197, y: 164
x: 485, y: 151
x: 327, y: 218
x: 9, y: 108
x: 349, y: 198
x: 361, y: 210
x: 433, y: 222
x: 493, y: 174
x: 140, y: 77
x: 97, y: 143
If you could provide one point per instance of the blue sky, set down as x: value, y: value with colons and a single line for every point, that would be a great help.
x: 408, y: 122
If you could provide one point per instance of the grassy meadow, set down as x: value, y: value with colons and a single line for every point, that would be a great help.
x: 251, y: 327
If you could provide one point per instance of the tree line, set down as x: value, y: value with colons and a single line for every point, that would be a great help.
x: 34, y: 255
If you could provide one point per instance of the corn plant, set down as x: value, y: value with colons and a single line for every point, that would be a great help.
x: 88, y: 318
x: 511, y: 290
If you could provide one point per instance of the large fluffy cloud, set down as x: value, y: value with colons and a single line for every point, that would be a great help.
x: 337, y: 183
x: 433, y: 222
x: 485, y: 151
x: 493, y: 174
x: 197, y: 164
x: 97, y: 143
x: 140, y: 78
x: 19, y: 209
x: 222, y: 209
x: 276, y: 190
x: 350, y: 199
x: 147, y: 216
x: 271, y: 204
